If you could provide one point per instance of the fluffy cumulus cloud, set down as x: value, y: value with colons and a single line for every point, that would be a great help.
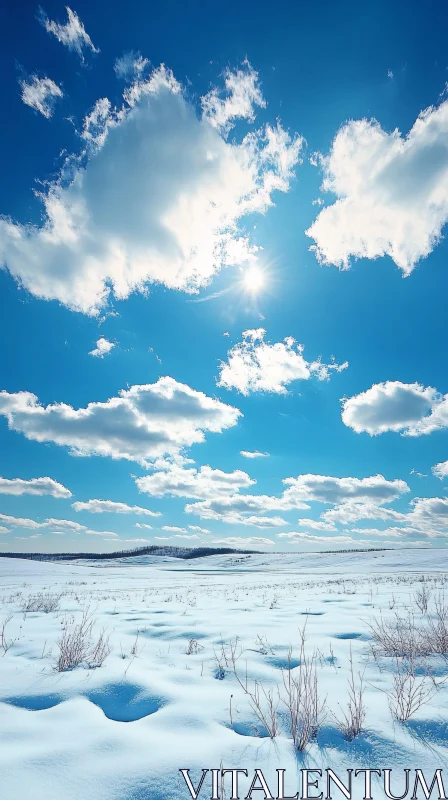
x: 174, y: 529
x: 299, y: 537
x: 110, y: 506
x: 3, y: 529
x: 441, y: 470
x: 36, y: 486
x: 348, y: 512
x: 156, y: 197
x: 391, y: 190
x: 198, y: 529
x: 409, y: 408
x: 130, y: 66
x: 254, y: 365
x: 425, y: 517
x: 242, y: 95
x: 394, y: 532
x: 429, y: 515
x: 142, y: 423
x: 200, y: 483
x: 326, y: 489
x: 40, y: 94
x: 55, y: 525
x: 103, y: 347
x: 253, y: 454
x: 316, y: 524
x: 241, y: 542
x: 72, y: 34
x: 250, y: 509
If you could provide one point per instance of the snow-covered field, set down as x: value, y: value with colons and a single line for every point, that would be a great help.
x: 166, y: 697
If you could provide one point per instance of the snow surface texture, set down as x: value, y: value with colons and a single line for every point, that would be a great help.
x: 163, y: 701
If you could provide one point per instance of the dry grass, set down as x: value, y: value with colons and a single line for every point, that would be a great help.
x: 352, y: 720
x: 403, y: 637
x: 305, y: 709
x: 77, y: 646
x: 263, y: 702
x: 43, y: 601
x: 5, y: 644
x: 409, y: 691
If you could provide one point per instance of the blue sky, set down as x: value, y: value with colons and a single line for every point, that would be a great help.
x: 171, y: 342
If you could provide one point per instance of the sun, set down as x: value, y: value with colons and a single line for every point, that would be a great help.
x: 253, y: 280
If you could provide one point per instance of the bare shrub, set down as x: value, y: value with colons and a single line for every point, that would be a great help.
x: 5, y: 644
x: 99, y: 651
x: 352, y: 720
x: 77, y: 647
x: 409, y: 691
x: 263, y: 702
x: 403, y: 637
x: 437, y: 630
x: 43, y: 601
x: 74, y: 643
x: 193, y: 647
x: 398, y: 637
x: 422, y: 597
x: 306, y: 710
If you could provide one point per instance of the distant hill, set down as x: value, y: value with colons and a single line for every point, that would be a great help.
x: 152, y: 550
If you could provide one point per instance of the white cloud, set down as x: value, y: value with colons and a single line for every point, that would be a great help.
x: 198, y: 529
x: 157, y: 197
x: 397, y: 533
x: 131, y: 66
x: 351, y: 511
x: 242, y: 94
x: 143, y: 422
x: 73, y: 34
x: 200, y: 483
x: 317, y: 525
x: 186, y: 536
x: 3, y: 529
x: 238, y: 510
x: 247, y: 509
x: 65, y: 525
x: 441, y: 470
x: 394, y: 406
x: 174, y: 529
x: 253, y: 365
x: 429, y: 515
x: 135, y: 541
x: 20, y: 522
x: 299, y: 537
x: 35, y: 486
x: 241, y: 542
x: 102, y: 506
x: 103, y: 347
x: 392, y: 192
x: 143, y: 525
x: 253, y: 454
x: 40, y: 94
x: 32, y: 536
x: 326, y: 489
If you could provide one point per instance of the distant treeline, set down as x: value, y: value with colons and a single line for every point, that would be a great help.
x: 153, y: 550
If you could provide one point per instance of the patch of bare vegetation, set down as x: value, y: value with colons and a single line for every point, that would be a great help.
x: 352, y: 718
x: 43, y: 601
x: 77, y: 644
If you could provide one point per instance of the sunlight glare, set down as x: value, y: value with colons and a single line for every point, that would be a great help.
x: 253, y: 280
